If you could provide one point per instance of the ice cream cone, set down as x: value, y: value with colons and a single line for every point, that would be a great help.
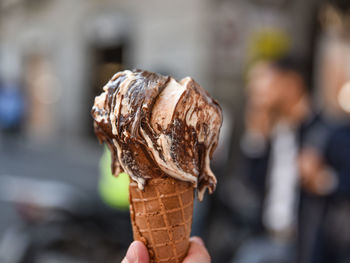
x: 162, y: 133
x: 161, y: 217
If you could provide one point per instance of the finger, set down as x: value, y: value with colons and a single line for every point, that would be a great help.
x: 197, y: 240
x: 137, y: 253
x: 197, y: 252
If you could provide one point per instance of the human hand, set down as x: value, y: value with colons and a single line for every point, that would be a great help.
x: 197, y: 253
x: 137, y: 253
x: 258, y: 121
x: 315, y: 176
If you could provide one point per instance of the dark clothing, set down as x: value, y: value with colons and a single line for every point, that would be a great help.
x: 338, y: 157
x: 333, y: 239
x: 11, y: 107
x: 312, y: 131
x: 323, y: 221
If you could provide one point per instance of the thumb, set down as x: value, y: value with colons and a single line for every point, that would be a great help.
x: 137, y: 253
x: 197, y: 252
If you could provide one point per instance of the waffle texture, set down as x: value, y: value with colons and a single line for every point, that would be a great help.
x: 161, y: 217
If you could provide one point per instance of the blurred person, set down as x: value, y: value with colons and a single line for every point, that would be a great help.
x: 278, y: 118
x: 325, y: 175
x: 112, y: 202
x: 325, y: 171
x: 113, y: 190
x: 197, y: 253
x: 11, y: 107
x: 324, y: 167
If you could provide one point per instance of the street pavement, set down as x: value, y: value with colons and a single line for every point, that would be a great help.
x: 74, y: 162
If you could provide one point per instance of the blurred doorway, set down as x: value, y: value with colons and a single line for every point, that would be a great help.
x: 107, y: 60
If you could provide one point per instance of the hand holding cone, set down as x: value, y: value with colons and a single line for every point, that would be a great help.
x: 197, y: 252
x: 162, y: 133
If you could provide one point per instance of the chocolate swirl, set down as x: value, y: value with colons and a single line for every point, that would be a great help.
x: 156, y: 126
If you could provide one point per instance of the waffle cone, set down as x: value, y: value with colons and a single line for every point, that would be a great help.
x: 161, y: 217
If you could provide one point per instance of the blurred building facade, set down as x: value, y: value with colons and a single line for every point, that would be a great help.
x: 62, y: 51
x: 55, y: 49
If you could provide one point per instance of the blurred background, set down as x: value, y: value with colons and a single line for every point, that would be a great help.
x: 280, y: 69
